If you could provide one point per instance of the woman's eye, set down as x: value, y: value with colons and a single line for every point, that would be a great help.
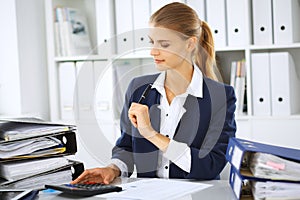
x: 164, y: 44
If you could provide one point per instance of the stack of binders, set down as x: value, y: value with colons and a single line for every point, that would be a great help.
x: 262, y: 171
x: 34, y: 153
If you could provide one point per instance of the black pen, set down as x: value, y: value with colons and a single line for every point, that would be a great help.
x: 145, y: 93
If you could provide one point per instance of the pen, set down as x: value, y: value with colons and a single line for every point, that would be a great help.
x: 145, y: 93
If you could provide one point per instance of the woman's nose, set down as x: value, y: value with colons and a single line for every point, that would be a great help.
x: 154, y: 51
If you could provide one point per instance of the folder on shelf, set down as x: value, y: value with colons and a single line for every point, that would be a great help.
x: 199, y: 7
x: 264, y: 161
x: 157, y: 4
x: 141, y: 14
x: 285, y: 84
x: 85, y: 90
x: 217, y: 21
x: 262, y: 22
x: 103, y: 76
x: 261, y: 84
x: 239, y: 84
x: 238, y: 22
x: 104, y: 24
x: 256, y: 188
x: 124, y: 26
x: 67, y: 82
x: 286, y: 15
x: 72, y: 32
x: 60, y: 175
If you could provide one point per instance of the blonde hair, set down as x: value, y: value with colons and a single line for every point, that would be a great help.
x: 182, y: 18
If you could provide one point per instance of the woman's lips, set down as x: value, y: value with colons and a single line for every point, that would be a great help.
x: 158, y: 61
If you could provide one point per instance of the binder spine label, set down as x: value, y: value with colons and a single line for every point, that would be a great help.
x: 237, y: 185
x: 236, y: 158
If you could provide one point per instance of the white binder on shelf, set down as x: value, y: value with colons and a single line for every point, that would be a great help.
x: 67, y: 92
x: 216, y: 18
x: 285, y: 84
x: 199, y: 7
x: 286, y: 15
x: 124, y: 26
x: 238, y: 22
x: 105, y: 28
x: 157, y: 4
x: 85, y: 89
x: 261, y: 84
x: 262, y: 22
x: 141, y: 15
x: 104, y: 90
x: 103, y: 100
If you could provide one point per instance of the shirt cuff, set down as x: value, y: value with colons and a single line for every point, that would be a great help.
x: 121, y: 165
x: 180, y: 154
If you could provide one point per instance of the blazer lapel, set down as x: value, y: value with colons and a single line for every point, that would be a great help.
x: 189, y: 122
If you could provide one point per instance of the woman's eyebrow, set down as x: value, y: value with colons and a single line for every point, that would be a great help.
x: 159, y: 40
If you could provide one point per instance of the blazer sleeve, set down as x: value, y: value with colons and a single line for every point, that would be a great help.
x: 210, y: 165
x: 123, y: 148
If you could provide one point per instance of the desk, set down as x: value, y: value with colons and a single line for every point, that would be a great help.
x: 220, y: 190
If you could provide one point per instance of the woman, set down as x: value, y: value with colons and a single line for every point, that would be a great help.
x: 181, y: 126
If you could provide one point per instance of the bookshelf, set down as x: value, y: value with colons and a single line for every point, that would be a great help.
x: 101, y: 16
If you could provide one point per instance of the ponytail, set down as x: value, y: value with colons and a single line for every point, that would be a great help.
x: 205, y: 54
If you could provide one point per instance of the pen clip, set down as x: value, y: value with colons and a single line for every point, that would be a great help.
x: 145, y: 93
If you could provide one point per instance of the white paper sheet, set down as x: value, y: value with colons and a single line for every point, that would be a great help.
x: 158, y: 189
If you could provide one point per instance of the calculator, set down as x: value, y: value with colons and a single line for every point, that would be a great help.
x: 85, y: 189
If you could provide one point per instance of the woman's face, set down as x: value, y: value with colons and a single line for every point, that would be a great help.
x: 168, y: 48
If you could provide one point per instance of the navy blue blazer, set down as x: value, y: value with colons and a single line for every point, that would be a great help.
x: 205, y: 127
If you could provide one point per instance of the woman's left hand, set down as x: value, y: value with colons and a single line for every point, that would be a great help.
x: 139, y: 117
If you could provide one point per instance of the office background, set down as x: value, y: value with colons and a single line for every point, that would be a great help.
x: 38, y: 74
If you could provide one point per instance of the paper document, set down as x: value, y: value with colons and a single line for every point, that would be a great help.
x: 25, y: 168
x: 39, y: 181
x: 25, y: 147
x: 14, y: 130
x: 275, y: 190
x: 269, y: 166
x: 158, y: 189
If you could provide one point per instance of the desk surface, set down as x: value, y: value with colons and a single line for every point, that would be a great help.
x: 220, y: 190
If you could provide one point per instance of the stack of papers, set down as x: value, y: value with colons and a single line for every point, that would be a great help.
x: 39, y: 181
x: 32, y: 154
x: 263, y: 171
x: 25, y: 147
x: 15, y: 130
x: 19, y: 170
x: 269, y: 166
x: 275, y: 190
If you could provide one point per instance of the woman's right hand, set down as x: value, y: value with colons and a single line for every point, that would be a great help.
x: 98, y: 175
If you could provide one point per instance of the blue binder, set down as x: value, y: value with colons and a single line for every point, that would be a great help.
x: 243, y: 189
x: 239, y: 185
x: 239, y: 151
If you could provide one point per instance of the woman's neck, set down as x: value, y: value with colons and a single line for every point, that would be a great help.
x: 177, y: 80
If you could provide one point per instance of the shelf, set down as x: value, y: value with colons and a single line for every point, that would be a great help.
x: 80, y: 58
x: 275, y: 46
x: 133, y: 55
x: 247, y: 117
x: 228, y: 49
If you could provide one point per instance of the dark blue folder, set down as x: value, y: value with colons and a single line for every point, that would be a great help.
x: 239, y: 151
